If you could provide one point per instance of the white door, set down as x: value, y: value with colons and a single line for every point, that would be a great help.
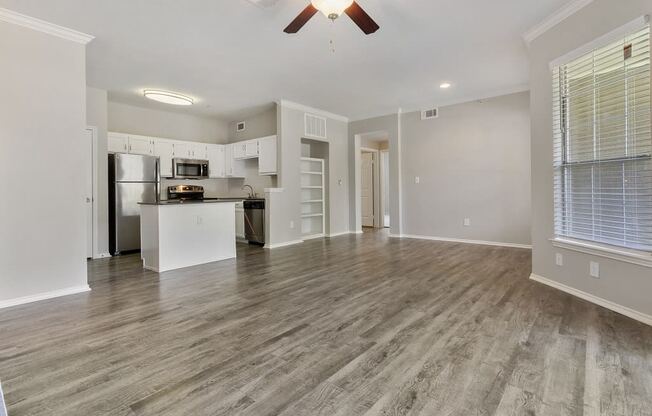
x: 216, y: 161
x: 164, y: 150
x: 88, y: 190
x: 267, y: 156
x: 140, y: 145
x: 251, y: 148
x: 367, y: 190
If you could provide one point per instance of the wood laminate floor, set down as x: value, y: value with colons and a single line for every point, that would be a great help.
x: 354, y: 325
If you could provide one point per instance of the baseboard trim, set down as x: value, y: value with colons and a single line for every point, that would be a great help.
x: 102, y: 256
x: 458, y: 240
x: 279, y: 245
x: 331, y: 235
x: 623, y: 310
x: 43, y: 296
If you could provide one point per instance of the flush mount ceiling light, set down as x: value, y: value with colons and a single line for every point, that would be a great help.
x: 168, y: 97
x: 445, y: 85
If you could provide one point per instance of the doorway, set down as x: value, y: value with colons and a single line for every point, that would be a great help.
x: 367, y: 188
x: 90, y: 190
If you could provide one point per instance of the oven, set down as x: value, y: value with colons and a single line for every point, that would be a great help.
x: 189, y: 169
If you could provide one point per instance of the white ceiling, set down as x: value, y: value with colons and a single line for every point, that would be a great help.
x: 234, y: 58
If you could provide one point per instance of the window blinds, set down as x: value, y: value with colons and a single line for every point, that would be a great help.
x: 603, y: 144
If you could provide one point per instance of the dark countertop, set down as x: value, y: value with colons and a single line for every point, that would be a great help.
x: 201, y: 201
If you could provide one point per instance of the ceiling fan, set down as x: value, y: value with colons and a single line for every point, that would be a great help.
x: 334, y: 9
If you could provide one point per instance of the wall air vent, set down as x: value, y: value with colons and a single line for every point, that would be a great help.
x: 315, y: 126
x: 429, y: 114
x: 241, y: 126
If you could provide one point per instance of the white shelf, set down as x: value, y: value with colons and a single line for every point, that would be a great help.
x: 313, y: 225
x: 311, y: 187
x: 312, y: 215
x: 311, y: 201
x: 311, y: 173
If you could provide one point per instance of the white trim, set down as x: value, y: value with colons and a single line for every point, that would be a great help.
x: 621, y: 254
x: 102, y: 256
x: 331, y: 235
x: 3, y: 408
x: 43, y: 296
x: 314, y: 111
x: 357, y: 232
x: 273, y: 190
x: 313, y: 236
x: 279, y: 245
x: 463, y: 241
x: 623, y: 310
x: 554, y: 19
x: 95, y: 225
x: 614, y: 35
x: 19, y: 19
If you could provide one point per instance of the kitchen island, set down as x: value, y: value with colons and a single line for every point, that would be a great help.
x: 175, y: 234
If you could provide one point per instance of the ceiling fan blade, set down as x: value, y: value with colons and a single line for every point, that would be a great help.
x: 362, y: 19
x: 301, y: 19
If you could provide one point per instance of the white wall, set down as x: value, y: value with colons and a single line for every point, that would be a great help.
x: 621, y: 283
x: 473, y: 162
x: 125, y: 118
x: 42, y: 133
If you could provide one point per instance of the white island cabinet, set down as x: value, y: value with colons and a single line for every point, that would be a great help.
x: 175, y: 235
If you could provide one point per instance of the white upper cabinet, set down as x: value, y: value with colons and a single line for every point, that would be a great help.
x: 141, y: 145
x: 164, y: 150
x: 234, y: 168
x: 251, y: 148
x: 267, y: 164
x: 118, y: 142
x: 216, y: 160
x: 239, y: 150
x: 199, y: 151
x: 182, y: 150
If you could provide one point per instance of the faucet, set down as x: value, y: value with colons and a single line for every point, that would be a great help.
x: 252, y: 194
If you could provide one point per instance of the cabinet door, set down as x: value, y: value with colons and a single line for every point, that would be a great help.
x: 216, y: 161
x: 199, y: 151
x: 234, y: 168
x: 164, y: 150
x: 183, y: 150
x: 118, y: 143
x: 267, y: 156
x: 140, y: 145
x: 239, y: 222
x: 251, y: 148
x: 239, y: 150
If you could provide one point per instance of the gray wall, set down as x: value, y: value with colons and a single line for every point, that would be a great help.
x: 622, y: 283
x: 126, y: 118
x: 259, y: 125
x: 473, y: 162
x: 42, y: 142
x: 97, y: 116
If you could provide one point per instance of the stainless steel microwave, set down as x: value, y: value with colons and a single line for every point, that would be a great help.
x: 189, y: 169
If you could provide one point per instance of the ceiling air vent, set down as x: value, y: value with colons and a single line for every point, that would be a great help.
x: 241, y: 126
x: 429, y: 114
x: 315, y: 126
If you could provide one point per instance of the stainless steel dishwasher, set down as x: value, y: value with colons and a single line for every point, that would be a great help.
x: 254, y: 220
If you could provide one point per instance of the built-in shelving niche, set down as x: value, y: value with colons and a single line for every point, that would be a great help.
x: 313, y: 198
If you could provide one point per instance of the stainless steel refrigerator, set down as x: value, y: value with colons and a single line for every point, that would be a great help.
x: 132, y: 179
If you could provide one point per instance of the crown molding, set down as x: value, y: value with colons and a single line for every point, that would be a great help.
x: 554, y: 19
x: 19, y: 19
x: 311, y: 110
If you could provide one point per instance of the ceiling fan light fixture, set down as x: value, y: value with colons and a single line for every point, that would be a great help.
x: 332, y: 8
x: 168, y: 97
x: 445, y: 85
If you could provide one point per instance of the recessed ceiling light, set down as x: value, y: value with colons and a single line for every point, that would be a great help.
x: 445, y: 85
x: 168, y: 97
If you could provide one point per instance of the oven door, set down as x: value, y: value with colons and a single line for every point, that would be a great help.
x: 190, y: 169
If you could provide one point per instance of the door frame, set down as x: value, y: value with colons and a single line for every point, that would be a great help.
x: 93, y: 162
x: 381, y: 169
x: 375, y: 185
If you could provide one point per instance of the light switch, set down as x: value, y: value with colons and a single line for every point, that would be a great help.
x: 594, y: 268
x: 467, y: 222
x: 559, y: 259
x: 417, y: 179
x: 292, y: 224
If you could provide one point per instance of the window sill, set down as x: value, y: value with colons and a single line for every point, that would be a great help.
x: 640, y: 258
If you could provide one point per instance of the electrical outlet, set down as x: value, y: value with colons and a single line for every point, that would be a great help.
x: 559, y: 259
x: 292, y: 224
x: 594, y: 269
x: 417, y: 179
x: 467, y: 222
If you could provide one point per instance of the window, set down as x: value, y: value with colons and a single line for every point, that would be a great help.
x: 603, y: 144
